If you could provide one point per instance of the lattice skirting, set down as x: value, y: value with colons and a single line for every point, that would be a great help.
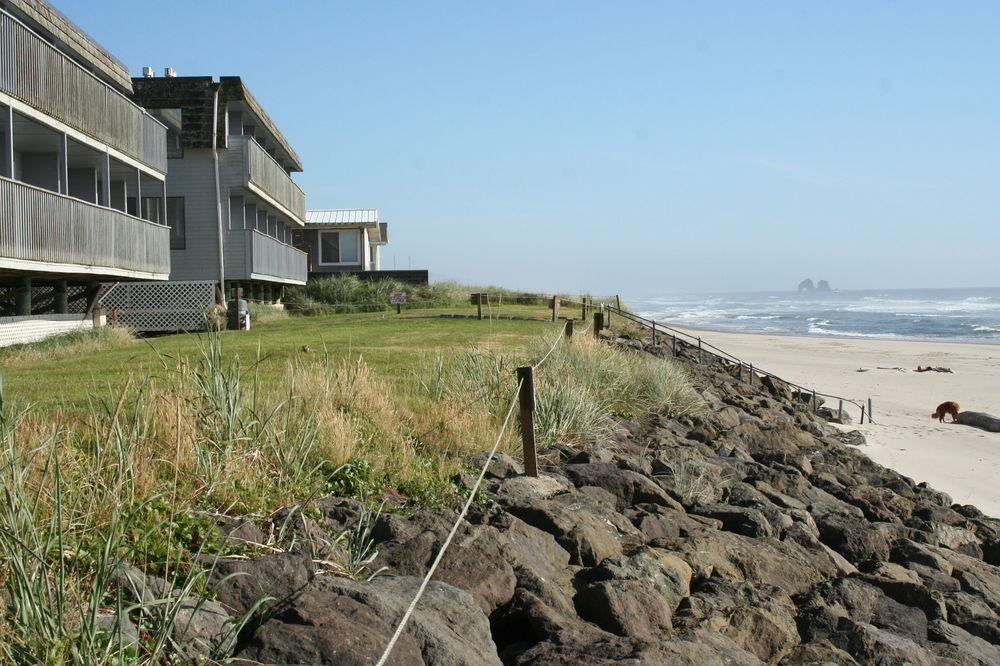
x: 159, y: 306
x: 20, y: 330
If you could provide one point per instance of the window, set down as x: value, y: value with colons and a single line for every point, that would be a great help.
x: 152, y: 209
x: 175, y: 218
x: 340, y: 247
x: 175, y: 149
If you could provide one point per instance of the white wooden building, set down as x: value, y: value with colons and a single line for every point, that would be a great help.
x: 232, y: 203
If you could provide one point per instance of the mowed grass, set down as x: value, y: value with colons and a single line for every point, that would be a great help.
x: 65, y: 378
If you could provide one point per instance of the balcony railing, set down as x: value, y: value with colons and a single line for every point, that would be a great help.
x: 40, y: 226
x: 268, y: 256
x: 264, y: 172
x: 36, y: 73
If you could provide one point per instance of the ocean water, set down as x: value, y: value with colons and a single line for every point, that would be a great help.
x: 965, y: 315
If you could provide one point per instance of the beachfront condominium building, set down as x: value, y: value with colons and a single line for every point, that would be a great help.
x: 343, y: 240
x: 82, y: 168
x: 231, y: 202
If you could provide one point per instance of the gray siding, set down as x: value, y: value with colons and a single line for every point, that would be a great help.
x: 194, y: 179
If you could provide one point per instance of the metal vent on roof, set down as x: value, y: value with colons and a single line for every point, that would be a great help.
x: 148, y: 72
x: 169, y: 72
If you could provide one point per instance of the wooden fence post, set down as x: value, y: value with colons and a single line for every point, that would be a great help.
x: 862, y: 414
x: 739, y: 374
x: 479, y: 307
x: 815, y: 406
x: 618, y: 302
x: 654, y: 333
x: 526, y: 398
x: 840, y: 411
x: 869, y: 410
x: 673, y: 346
x: 583, y: 308
x: 399, y: 308
x: 555, y: 308
x: 598, y: 324
x: 750, y: 376
x: 699, y: 349
x: 607, y: 312
x: 568, y: 329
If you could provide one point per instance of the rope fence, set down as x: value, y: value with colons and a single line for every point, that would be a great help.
x: 703, y: 347
x: 524, y: 397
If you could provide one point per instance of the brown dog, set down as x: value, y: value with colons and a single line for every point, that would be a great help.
x: 949, y: 407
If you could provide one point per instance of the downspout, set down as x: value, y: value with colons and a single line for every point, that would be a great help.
x: 218, y: 192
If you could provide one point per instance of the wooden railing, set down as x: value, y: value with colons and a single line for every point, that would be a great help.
x: 36, y: 73
x: 41, y: 226
x: 264, y: 172
x: 269, y: 256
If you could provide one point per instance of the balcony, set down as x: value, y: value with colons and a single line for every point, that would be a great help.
x: 38, y: 74
x: 48, y: 232
x: 269, y: 259
x: 265, y: 177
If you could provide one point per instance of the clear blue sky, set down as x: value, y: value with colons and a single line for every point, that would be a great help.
x: 625, y: 147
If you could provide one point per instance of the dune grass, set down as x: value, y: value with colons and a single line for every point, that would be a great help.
x: 112, y: 452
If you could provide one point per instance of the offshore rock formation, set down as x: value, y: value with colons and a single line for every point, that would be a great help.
x: 757, y: 534
x: 807, y: 286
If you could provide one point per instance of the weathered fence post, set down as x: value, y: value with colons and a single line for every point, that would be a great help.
x: 699, y: 349
x: 399, y: 308
x: 739, y: 374
x: 673, y: 346
x: 618, y: 302
x: 607, y: 312
x: 840, y: 411
x: 869, y: 410
x: 583, y: 308
x: 526, y: 398
x: 862, y: 414
x: 555, y: 308
x: 654, y: 333
x: 598, y: 323
x: 815, y: 406
x: 479, y: 307
x: 568, y: 329
x: 750, y: 375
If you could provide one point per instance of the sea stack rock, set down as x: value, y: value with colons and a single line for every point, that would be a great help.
x: 823, y: 285
x: 807, y: 286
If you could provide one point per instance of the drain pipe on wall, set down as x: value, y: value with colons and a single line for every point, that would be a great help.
x: 218, y: 195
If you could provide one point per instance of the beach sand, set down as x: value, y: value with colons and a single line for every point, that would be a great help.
x: 961, y: 461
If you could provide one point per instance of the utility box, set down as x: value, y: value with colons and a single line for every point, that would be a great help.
x: 239, y: 315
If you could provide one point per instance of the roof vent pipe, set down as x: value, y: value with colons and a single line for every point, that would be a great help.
x: 169, y: 72
x: 148, y: 72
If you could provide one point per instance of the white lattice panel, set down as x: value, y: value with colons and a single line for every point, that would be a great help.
x: 160, y: 306
x: 19, y: 330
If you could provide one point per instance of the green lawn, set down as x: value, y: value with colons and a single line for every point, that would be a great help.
x: 392, y: 345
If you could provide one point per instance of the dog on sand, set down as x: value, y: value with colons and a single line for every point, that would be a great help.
x: 949, y: 407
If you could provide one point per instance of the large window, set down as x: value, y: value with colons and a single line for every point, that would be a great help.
x: 175, y: 219
x: 340, y: 247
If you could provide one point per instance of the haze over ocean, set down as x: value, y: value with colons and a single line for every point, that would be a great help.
x: 966, y: 315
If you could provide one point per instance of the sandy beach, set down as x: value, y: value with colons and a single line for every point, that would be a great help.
x: 961, y: 461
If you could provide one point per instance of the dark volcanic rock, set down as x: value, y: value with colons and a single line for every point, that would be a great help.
x: 753, y: 532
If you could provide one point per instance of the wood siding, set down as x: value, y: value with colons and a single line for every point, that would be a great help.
x: 38, y: 74
x: 272, y: 258
x: 194, y: 179
x: 264, y: 172
x: 41, y: 226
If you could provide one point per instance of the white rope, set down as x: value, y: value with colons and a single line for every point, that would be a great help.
x: 559, y: 338
x: 451, y: 535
